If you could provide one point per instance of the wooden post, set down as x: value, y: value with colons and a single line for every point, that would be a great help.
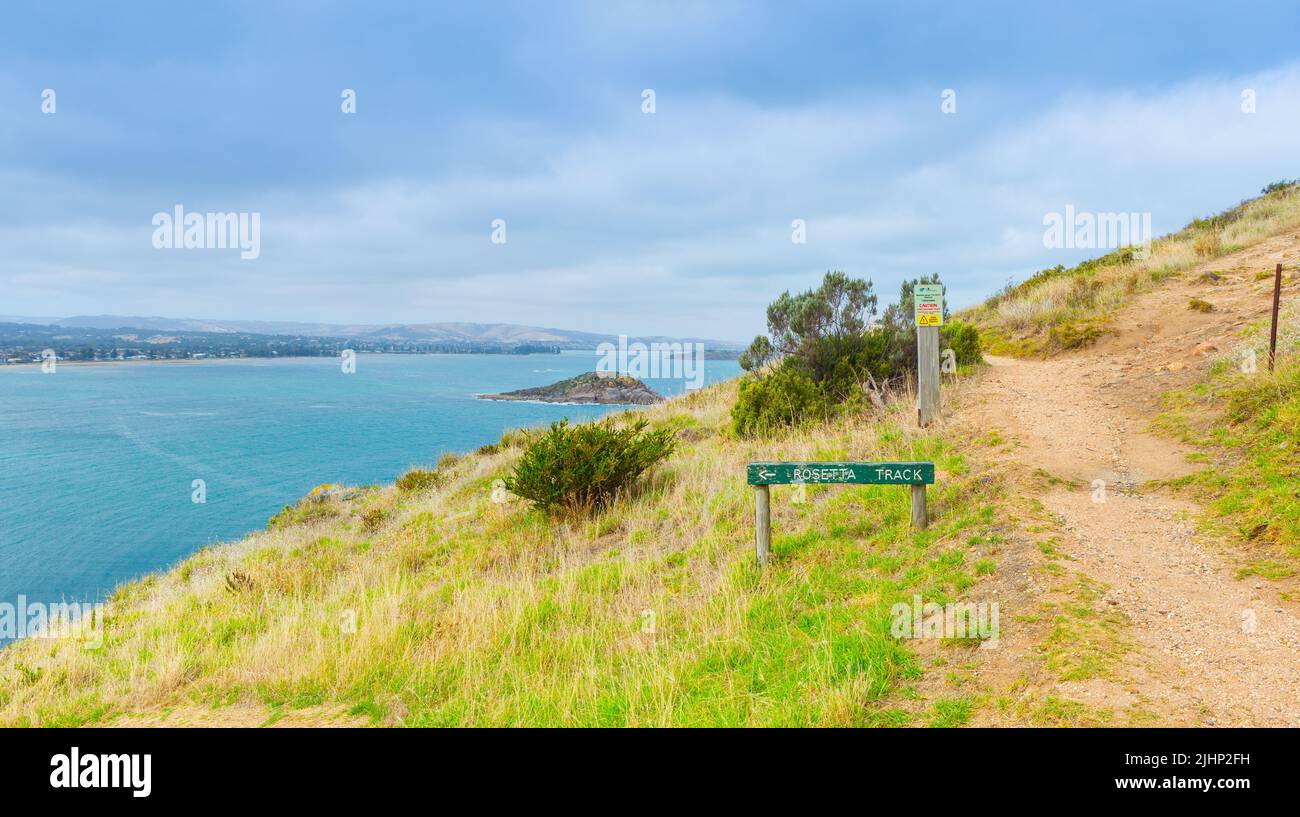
x: 762, y: 523
x: 763, y: 475
x: 1277, y: 300
x: 920, y: 519
x: 927, y: 375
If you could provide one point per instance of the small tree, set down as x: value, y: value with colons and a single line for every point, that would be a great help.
x: 840, y: 307
x: 828, y: 352
x: 759, y: 353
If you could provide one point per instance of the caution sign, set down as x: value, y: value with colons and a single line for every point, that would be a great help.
x: 929, y: 304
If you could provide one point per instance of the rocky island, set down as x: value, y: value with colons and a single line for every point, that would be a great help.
x: 591, y: 387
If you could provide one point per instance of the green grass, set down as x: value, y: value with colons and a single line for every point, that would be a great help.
x: 1060, y: 308
x: 951, y: 712
x: 439, y: 606
x: 1086, y: 639
x: 1247, y: 425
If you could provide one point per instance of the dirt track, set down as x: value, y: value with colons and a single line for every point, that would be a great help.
x: 1209, y: 649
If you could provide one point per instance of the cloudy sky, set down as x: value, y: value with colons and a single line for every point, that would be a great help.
x: 672, y: 222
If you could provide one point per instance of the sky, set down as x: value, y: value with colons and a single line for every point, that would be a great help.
x: 677, y: 221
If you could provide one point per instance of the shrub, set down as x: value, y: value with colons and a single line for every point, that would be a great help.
x: 373, y: 519
x: 239, y: 582
x: 783, y: 399
x: 310, y: 509
x: 1197, y: 305
x: 1207, y: 244
x: 518, y: 438
x: 417, y: 479
x: 757, y: 355
x: 815, y: 386
x: 799, y: 324
x: 830, y: 355
x: 964, y: 340
x: 1075, y: 335
x: 583, y: 468
x: 826, y: 350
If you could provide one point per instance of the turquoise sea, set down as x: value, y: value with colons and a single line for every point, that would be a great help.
x: 97, y: 461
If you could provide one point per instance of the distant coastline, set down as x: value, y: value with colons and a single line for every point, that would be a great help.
x: 107, y: 338
x: 36, y: 364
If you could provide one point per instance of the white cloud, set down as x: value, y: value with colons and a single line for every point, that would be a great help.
x: 677, y: 222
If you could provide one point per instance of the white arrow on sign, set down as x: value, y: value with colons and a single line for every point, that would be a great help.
x: 765, y: 474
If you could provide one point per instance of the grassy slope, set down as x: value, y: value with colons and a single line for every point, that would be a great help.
x: 1246, y: 424
x: 473, y: 612
x: 1060, y: 309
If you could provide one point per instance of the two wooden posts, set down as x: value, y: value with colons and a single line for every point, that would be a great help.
x: 928, y: 309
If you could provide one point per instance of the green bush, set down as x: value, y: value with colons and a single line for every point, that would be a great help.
x: 964, y: 340
x: 418, y: 479
x: 829, y: 351
x: 583, y: 468
x: 1065, y: 336
x: 783, y: 399
x: 826, y: 379
x: 309, y: 509
x: 373, y: 519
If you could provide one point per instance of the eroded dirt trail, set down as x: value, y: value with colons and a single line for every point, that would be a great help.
x: 1208, y: 648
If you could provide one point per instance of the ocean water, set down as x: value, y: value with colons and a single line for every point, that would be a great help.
x: 97, y: 461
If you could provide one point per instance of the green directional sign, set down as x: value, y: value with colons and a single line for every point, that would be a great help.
x: 841, y: 473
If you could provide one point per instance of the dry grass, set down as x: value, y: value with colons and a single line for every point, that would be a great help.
x: 1066, y: 308
x: 444, y: 606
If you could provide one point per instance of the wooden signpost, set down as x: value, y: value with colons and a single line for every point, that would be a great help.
x: 928, y: 300
x: 1272, y: 332
x: 764, y: 474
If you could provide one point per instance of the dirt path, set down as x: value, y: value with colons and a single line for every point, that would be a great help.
x: 1209, y: 649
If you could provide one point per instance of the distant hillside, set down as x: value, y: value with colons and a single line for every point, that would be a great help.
x: 505, y: 334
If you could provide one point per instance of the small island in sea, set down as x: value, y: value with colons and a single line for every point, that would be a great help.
x: 591, y: 387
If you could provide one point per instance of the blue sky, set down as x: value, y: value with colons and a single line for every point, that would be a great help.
x: 676, y: 222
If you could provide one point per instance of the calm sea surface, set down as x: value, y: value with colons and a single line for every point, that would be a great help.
x: 97, y: 462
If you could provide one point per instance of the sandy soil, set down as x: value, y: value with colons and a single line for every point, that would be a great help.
x: 1210, y: 649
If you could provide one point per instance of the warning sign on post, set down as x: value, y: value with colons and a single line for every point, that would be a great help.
x: 929, y: 304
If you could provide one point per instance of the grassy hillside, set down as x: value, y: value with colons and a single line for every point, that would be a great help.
x: 1247, y: 425
x: 439, y: 605
x: 442, y: 600
x: 1066, y: 308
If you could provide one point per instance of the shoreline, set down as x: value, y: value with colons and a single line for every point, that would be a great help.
x: 496, y: 398
x: 36, y: 364
x: 170, y: 568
